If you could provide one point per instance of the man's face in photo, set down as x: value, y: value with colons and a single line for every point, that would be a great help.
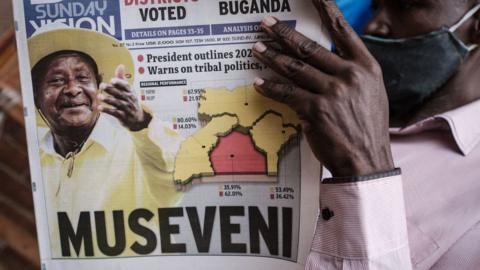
x: 67, y: 93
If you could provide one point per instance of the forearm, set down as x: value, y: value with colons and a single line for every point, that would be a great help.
x: 155, y: 147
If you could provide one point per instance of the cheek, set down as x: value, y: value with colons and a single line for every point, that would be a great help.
x: 49, y: 98
x: 91, y: 91
x: 47, y: 106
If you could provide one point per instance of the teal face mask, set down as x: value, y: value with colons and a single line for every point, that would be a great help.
x: 415, y: 68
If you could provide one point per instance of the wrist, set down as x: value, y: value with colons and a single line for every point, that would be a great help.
x: 364, y: 164
x: 143, y: 123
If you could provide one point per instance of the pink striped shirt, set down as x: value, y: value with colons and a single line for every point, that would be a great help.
x: 427, y: 218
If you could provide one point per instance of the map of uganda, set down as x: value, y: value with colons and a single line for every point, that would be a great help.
x: 244, y: 134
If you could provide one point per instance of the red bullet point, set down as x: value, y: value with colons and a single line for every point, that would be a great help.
x: 140, y: 58
x: 141, y: 70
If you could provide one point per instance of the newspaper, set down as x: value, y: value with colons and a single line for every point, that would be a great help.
x: 150, y: 148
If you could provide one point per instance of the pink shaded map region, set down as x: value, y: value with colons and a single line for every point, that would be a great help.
x: 236, y: 154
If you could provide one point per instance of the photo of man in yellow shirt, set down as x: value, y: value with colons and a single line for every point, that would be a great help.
x: 100, y: 150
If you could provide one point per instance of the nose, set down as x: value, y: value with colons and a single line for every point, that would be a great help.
x: 72, y: 88
x: 379, y: 25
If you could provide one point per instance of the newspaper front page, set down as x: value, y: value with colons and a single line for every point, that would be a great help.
x: 150, y: 148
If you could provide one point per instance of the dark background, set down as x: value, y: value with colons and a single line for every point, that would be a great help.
x: 18, y: 243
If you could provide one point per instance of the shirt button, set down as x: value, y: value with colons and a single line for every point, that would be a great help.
x: 327, y: 214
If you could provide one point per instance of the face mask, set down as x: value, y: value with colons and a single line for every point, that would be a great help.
x: 414, y: 68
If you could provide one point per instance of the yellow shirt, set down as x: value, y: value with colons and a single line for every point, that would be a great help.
x: 115, y: 170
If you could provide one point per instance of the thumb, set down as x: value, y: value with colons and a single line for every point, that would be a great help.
x: 120, y: 72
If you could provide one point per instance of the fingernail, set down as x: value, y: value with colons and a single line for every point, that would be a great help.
x: 257, y: 84
x: 99, y: 107
x: 258, y: 81
x: 102, y: 85
x: 260, y: 47
x: 269, y: 21
x: 101, y: 96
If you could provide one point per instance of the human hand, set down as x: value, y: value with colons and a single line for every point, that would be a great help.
x: 125, y: 105
x: 341, y: 99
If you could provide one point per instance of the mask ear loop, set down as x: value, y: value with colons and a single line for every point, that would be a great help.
x: 472, y: 47
x: 465, y: 18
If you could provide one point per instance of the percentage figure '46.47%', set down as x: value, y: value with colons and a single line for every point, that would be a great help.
x: 284, y: 196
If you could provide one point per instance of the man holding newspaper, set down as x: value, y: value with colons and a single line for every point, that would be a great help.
x: 421, y: 116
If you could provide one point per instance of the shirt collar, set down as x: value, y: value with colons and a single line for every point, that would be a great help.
x: 462, y: 122
x: 101, y: 135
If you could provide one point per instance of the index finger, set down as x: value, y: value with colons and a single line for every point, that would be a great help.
x: 346, y: 40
